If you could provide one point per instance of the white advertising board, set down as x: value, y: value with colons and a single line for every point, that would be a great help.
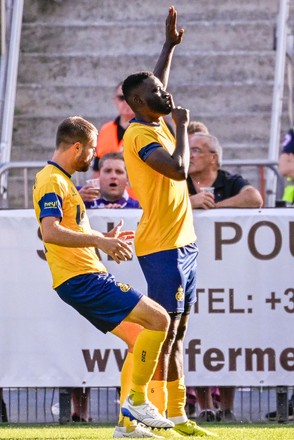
x: 240, y: 331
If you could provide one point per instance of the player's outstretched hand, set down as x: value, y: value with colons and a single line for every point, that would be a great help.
x: 116, y: 232
x: 116, y: 248
x: 172, y: 35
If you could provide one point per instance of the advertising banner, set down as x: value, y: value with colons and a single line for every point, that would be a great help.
x: 240, y: 330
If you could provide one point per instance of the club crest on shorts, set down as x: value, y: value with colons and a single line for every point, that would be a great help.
x: 123, y: 287
x: 180, y: 294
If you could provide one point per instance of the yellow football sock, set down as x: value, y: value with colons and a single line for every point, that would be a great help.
x: 176, y: 398
x: 157, y: 394
x: 146, y: 353
x: 126, y: 376
x: 125, y: 380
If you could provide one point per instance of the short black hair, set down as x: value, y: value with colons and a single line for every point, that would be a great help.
x: 133, y: 81
x: 75, y: 129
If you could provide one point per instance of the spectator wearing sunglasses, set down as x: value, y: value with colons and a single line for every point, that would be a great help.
x: 111, y: 133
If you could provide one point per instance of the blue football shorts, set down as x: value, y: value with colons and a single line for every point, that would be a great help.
x: 171, y: 277
x: 100, y: 299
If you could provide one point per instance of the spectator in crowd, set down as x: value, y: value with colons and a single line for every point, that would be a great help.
x: 113, y: 185
x: 197, y: 127
x: 111, y: 133
x: 230, y: 190
x: 110, y: 137
x: 286, y: 166
x: 157, y: 165
x: 81, y: 279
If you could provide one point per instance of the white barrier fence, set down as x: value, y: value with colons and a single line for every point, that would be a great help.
x: 240, y: 331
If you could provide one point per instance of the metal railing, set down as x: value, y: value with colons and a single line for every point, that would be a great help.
x: 269, y: 195
x: 282, y: 33
x: 53, y: 405
x: 11, y: 13
x: 260, y: 164
x: 24, y: 166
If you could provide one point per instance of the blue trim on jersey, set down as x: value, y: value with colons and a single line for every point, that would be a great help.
x: 57, y: 166
x: 50, y: 206
x: 140, y: 121
x: 147, y: 150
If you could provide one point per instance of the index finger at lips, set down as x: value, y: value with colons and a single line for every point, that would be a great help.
x: 172, y: 102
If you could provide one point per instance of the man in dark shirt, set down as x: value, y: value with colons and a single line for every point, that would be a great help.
x: 230, y: 190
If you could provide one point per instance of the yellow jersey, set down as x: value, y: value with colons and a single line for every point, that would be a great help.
x: 55, y: 195
x: 167, y: 220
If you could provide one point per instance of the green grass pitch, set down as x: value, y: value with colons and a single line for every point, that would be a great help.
x: 105, y: 432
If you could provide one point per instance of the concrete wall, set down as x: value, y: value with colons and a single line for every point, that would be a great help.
x: 74, y: 52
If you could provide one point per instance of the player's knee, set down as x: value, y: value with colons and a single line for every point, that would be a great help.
x: 163, y: 321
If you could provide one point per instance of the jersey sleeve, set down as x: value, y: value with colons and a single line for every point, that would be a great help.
x: 50, y: 200
x: 150, y: 140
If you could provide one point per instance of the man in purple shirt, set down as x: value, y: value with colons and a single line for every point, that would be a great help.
x: 114, y: 191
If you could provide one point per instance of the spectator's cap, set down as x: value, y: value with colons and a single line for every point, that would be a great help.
x: 288, y: 142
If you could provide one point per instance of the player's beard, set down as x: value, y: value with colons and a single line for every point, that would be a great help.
x: 83, y: 168
x: 81, y: 164
x: 159, y: 106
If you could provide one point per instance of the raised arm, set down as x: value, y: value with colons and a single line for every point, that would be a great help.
x: 172, y: 38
